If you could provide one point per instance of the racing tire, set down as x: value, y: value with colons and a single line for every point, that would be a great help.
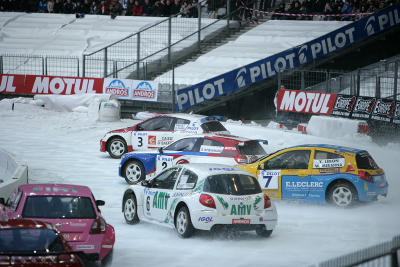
x: 134, y: 172
x: 116, y: 147
x: 262, y: 231
x: 130, y: 210
x: 342, y: 194
x: 183, y: 223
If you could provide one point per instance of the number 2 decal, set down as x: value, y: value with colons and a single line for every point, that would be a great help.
x: 164, y: 165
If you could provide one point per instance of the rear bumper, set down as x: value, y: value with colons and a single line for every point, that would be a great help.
x: 371, y: 192
x: 208, y: 220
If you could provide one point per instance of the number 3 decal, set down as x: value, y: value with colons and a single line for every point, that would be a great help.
x: 140, y: 141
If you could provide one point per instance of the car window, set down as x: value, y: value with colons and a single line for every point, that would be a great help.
x: 30, y: 239
x: 181, y: 124
x: 185, y: 144
x: 213, y: 126
x: 187, y: 180
x: 166, y: 179
x: 156, y: 124
x: 365, y: 161
x: 58, y: 207
x: 250, y: 148
x: 296, y: 159
x: 211, y: 146
x: 14, y: 199
x: 231, y: 184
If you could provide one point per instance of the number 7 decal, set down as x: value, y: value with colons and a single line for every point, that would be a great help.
x: 269, y: 179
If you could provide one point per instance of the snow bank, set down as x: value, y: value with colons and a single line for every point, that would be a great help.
x: 70, y: 102
x: 333, y: 127
x: 12, y: 173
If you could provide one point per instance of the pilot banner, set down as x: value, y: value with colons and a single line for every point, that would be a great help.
x: 289, y: 59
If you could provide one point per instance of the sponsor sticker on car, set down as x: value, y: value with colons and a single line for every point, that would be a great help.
x: 328, y: 163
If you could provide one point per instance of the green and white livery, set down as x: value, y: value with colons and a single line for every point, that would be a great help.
x: 201, y: 196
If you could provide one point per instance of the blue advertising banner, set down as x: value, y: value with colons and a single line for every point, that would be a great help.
x: 288, y: 59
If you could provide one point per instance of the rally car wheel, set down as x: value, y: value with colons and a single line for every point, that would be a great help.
x: 130, y: 210
x: 262, y: 231
x: 183, y: 224
x: 342, y: 194
x: 134, y: 172
x: 116, y: 147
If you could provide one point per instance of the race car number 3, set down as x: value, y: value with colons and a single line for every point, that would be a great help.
x: 269, y: 179
x: 164, y: 162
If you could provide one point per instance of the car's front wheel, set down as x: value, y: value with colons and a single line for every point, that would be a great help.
x: 130, y: 210
x: 116, y: 147
x: 342, y: 194
x: 183, y: 224
x: 134, y: 172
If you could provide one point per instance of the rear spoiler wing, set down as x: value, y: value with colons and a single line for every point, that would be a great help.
x: 212, y: 118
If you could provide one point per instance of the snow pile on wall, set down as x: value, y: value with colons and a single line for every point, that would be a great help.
x: 12, y: 173
x: 70, y: 103
x: 333, y: 127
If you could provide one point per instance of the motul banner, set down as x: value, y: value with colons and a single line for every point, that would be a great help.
x: 12, y: 84
x: 305, y: 102
x: 59, y: 85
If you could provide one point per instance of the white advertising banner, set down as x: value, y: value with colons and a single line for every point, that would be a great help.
x: 131, y: 89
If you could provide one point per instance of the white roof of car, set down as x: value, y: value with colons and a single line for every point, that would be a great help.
x: 234, y: 137
x: 186, y: 116
x: 206, y: 169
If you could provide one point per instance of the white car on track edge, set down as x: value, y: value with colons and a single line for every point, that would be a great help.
x: 201, y: 196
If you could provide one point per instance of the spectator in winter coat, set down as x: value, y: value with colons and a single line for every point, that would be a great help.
x: 280, y: 9
x: 69, y: 7
x: 185, y: 10
x: 129, y: 8
x: 42, y: 6
x: 347, y: 9
x: 104, y: 8
x: 58, y: 6
x: 115, y: 8
x: 137, y: 9
x: 175, y: 7
x: 86, y: 7
x: 157, y: 9
x: 50, y: 6
x: 147, y: 8
x: 94, y: 8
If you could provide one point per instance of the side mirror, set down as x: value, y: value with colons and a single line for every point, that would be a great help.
x: 100, y: 202
x: 146, y: 183
x: 2, y: 201
x: 160, y: 150
x: 260, y: 166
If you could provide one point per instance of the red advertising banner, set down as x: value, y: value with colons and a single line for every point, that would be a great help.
x: 305, y: 102
x: 13, y: 83
x: 36, y: 84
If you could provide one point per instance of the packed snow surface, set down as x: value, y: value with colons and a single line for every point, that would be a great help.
x: 63, y: 147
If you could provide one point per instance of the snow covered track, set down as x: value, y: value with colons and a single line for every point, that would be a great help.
x: 64, y: 147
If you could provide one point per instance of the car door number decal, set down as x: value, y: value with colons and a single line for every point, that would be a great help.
x: 269, y: 179
x: 163, y: 162
x: 140, y: 141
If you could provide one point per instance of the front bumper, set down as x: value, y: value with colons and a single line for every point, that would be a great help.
x: 102, y: 146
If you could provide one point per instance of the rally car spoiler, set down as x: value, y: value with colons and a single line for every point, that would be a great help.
x: 212, y: 118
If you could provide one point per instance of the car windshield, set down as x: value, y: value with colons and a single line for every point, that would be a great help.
x: 365, y: 161
x: 58, y: 207
x: 250, y: 148
x: 25, y: 240
x: 213, y: 126
x: 231, y: 184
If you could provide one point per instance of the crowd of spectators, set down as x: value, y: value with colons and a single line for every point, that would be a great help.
x: 331, y: 9
x: 165, y: 8
x: 157, y: 8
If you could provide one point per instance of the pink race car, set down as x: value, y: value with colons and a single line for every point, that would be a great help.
x: 71, y: 208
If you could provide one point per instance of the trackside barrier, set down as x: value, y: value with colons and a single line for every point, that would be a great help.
x: 384, y: 254
x: 289, y: 59
x: 13, y: 173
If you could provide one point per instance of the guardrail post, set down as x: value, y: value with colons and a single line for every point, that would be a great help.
x: 1, y: 64
x: 358, y: 83
x: 396, y: 78
x: 115, y: 69
x: 302, y: 80
x: 169, y: 39
x: 228, y: 12
x: 43, y: 66
x: 137, y: 55
x: 78, y: 71
x: 105, y: 63
x: 199, y: 26
x: 83, y: 65
x: 173, y: 90
x: 328, y: 81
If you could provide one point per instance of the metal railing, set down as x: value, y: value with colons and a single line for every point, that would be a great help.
x: 379, y: 80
